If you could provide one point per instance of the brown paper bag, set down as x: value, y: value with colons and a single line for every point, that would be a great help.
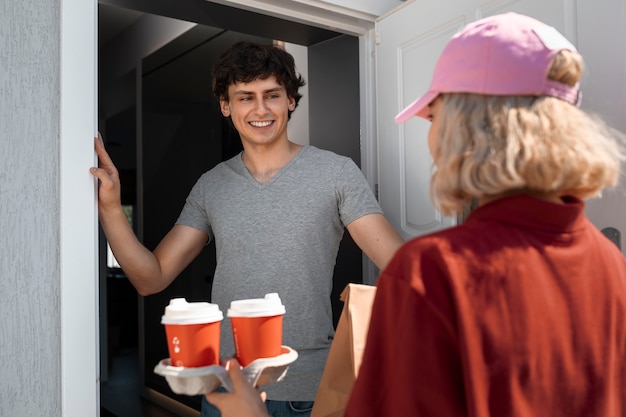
x: 346, y: 351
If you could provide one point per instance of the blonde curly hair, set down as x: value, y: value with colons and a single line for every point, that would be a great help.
x: 491, y: 146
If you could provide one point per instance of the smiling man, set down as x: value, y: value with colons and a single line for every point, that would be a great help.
x: 277, y: 212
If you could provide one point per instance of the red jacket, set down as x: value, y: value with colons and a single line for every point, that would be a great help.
x: 520, y: 311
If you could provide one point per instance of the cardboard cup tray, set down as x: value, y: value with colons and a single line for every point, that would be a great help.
x: 202, y: 380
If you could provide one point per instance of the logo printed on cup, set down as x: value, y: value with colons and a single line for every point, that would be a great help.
x: 193, y: 332
x: 257, y: 326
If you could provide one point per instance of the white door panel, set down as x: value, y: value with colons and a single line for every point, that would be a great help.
x: 410, y: 41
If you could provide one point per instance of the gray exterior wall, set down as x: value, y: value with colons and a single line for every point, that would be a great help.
x: 30, y: 334
x: 48, y: 323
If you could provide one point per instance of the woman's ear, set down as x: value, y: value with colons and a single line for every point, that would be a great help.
x: 225, y: 108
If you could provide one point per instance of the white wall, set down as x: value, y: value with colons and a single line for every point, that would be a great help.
x: 373, y: 7
x: 298, y: 127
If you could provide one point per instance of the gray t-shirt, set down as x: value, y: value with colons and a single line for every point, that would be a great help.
x: 283, y: 237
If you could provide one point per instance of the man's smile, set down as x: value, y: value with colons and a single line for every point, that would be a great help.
x: 262, y: 124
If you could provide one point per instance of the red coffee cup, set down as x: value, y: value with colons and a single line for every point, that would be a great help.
x: 193, y: 333
x: 257, y: 327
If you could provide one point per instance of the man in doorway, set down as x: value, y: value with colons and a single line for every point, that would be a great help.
x: 277, y: 212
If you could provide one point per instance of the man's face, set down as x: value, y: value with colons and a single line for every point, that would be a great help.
x: 259, y: 110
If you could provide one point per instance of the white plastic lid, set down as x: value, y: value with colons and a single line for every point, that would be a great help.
x: 179, y: 311
x: 257, y: 307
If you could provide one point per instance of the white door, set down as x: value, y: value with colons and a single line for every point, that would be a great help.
x: 409, y: 40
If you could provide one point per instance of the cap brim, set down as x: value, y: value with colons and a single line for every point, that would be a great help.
x: 418, y: 108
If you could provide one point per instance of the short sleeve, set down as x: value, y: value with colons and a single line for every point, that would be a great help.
x: 354, y: 195
x: 194, y: 212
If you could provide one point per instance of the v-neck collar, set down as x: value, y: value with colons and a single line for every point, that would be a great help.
x: 275, y: 177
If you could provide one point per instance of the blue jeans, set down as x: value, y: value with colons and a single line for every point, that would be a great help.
x: 275, y: 408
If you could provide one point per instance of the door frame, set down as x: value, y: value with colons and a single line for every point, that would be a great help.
x: 78, y: 221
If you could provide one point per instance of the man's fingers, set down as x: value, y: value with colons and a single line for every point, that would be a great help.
x: 100, y: 173
x: 103, y: 156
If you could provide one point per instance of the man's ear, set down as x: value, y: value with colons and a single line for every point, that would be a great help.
x: 292, y: 104
x: 225, y: 108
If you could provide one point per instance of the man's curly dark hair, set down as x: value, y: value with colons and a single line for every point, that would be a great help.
x: 246, y: 61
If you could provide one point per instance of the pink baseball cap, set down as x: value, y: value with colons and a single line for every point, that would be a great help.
x: 506, y: 54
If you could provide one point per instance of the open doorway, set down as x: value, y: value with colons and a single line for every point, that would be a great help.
x: 163, y: 129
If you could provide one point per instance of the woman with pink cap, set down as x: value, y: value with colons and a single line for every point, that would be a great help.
x: 520, y: 310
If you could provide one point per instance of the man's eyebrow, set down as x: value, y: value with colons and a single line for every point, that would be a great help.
x: 245, y: 92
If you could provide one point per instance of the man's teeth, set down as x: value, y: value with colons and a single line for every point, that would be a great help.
x: 261, y: 124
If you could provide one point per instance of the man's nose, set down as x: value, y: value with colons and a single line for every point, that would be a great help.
x: 260, y: 105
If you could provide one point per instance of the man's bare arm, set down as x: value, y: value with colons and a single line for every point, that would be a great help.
x: 149, y: 272
x: 376, y: 238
